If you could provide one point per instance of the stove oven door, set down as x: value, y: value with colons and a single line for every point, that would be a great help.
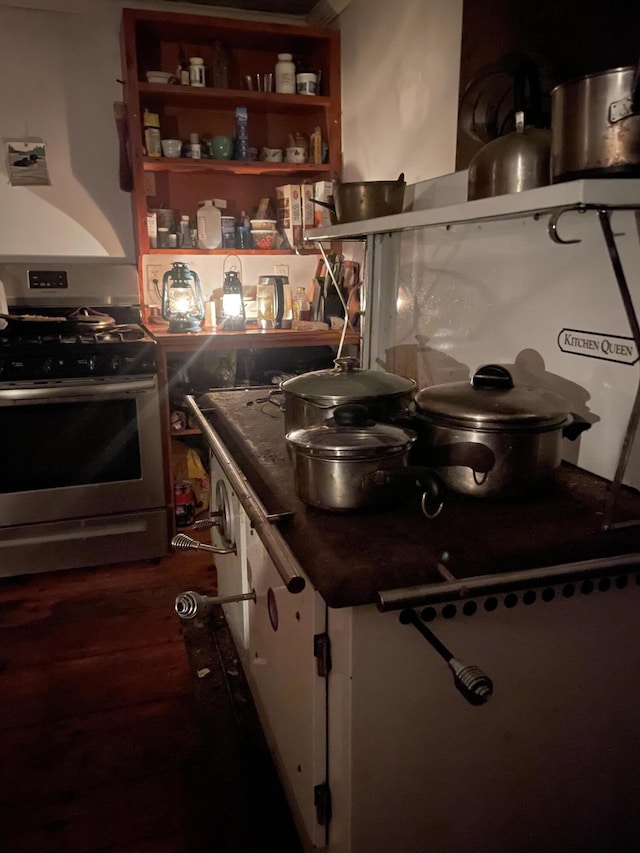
x: 289, y: 686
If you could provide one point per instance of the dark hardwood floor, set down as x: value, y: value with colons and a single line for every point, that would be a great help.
x: 119, y: 726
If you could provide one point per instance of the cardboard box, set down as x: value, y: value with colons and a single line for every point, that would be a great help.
x: 308, y: 207
x: 323, y: 191
x: 289, y: 213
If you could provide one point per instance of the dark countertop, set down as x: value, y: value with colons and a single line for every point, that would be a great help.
x: 349, y: 557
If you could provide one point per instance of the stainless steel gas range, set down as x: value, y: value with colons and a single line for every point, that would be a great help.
x: 81, y: 480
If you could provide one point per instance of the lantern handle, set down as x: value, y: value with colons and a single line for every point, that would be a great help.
x: 224, y: 265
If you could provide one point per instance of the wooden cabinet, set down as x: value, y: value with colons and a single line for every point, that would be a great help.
x: 153, y: 41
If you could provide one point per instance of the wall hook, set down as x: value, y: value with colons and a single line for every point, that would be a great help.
x: 552, y: 226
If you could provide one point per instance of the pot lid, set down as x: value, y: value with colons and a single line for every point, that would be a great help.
x: 346, y: 383
x: 491, y: 401
x: 349, y: 435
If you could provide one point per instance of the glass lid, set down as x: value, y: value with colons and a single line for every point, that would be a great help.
x: 347, y: 382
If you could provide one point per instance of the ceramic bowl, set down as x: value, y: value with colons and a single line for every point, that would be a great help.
x: 160, y: 77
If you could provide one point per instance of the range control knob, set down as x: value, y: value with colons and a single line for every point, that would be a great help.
x: 114, y: 364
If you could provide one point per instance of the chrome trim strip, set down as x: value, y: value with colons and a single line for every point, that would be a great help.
x: 285, y: 562
x: 437, y: 593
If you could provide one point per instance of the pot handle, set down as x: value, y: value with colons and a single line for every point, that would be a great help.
x: 493, y: 376
x: 326, y: 204
x: 629, y: 106
x: 576, y: 426
x: 351, y: 415
x: 278, y: 403
x: 432, y: 499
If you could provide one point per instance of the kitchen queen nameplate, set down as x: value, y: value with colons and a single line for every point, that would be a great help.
x: 596, y: 345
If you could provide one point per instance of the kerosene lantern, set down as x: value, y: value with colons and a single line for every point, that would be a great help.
x: 182, y: 303
x: 233, y: 313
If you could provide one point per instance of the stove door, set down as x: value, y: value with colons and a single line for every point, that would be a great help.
x: 288, y: 690
x: 78, y: 450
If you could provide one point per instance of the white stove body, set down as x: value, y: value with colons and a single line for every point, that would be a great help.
x: 274, y: 638
x: 551, y: 762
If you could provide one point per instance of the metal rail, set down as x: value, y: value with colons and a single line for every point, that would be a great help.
x: 423, y: 594
x: 288, y: 567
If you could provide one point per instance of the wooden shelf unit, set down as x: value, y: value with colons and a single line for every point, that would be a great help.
x: 153, y: 41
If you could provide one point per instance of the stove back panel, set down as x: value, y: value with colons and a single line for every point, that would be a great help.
x: 92, y: 284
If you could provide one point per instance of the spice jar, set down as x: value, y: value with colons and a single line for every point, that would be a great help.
x: 285, y: 74
x: 196, y: 71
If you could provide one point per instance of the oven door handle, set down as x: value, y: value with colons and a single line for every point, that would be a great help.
x: 93, y: 389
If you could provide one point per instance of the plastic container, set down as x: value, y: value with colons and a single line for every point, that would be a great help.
x: 228, y: 232
x: 196, y: 71
x: 285, y: 74
x: 209, y: 226
x: 183, y: 503
x: 152, y: 137
x: 306, y: 83
x: 263, y: 239
x: 195, y: 149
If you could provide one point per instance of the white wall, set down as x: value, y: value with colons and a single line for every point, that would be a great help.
x: 58, y: 75
x: 400, y: 73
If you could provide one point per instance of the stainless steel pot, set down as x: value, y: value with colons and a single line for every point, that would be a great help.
x: 489, y: 438
x: 520, y: 160
x: 350, y: 463
x: 353, y: 202
x: 511, y: 164
x: 312, y: 398
x: 595, y: 126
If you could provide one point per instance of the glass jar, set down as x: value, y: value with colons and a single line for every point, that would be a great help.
x: 152, y: 138
x: 219, y: 67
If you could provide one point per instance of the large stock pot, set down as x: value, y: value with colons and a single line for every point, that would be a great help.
x: 595, y: 126
x: 491, y: 438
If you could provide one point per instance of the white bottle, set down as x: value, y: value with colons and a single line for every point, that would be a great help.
x: 195, y: 149
x: 209, y: 221
x: 285, y: 74
x: 196, y: 71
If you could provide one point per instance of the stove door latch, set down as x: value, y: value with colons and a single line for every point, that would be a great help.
x: 322, y: 651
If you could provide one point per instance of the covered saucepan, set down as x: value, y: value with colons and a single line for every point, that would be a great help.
x: 492, y: 438
x: 350, y: 462
x: 312, y: 398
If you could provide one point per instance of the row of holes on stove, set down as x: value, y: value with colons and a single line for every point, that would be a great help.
x: 529, y: 597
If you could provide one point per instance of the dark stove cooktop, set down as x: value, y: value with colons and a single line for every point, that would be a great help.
x: 32, y: 351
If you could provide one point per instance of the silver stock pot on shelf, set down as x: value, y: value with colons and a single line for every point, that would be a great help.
x: 312, y: 398
x: 491, y: 438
